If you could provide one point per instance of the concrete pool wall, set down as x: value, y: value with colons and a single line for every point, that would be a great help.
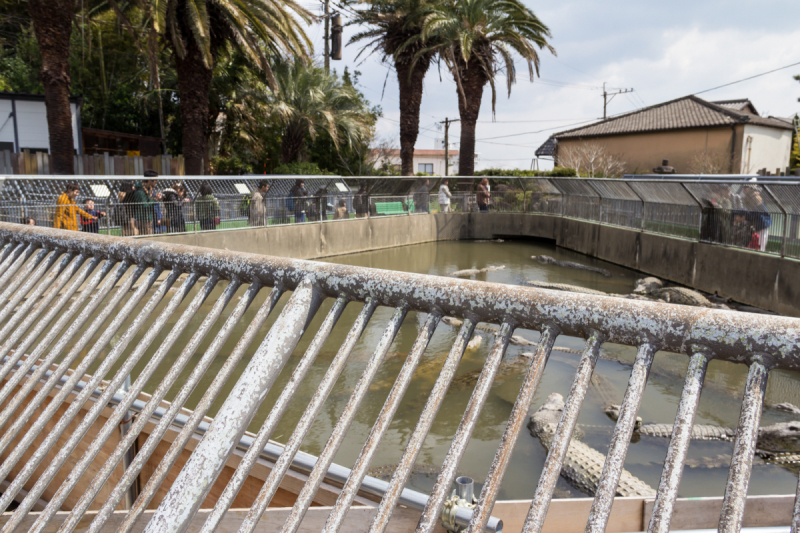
x: 754, y: 278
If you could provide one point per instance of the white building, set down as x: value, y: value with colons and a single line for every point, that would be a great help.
x: 23, y: 123
x: 430, y: 162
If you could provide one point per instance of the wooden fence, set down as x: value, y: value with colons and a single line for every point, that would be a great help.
x: 92, y: 165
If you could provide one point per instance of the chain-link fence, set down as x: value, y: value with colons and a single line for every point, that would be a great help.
x: 757, y: 215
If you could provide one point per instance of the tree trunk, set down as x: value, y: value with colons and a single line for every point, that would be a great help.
x: 410, y: 101
x: 473, y: 80
x: 293, y: 144
x: 194, y: 84
x: 52, y: 23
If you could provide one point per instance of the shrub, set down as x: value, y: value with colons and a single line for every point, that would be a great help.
x: 305, y: 168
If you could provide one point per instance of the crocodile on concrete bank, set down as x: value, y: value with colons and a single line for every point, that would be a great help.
x: 648, y: 284
x: 582, y: 465
x: 681, y: 295
x: 547, y: 260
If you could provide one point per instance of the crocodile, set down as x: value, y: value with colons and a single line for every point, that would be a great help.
x: 645, y: 285
x: 582, y: 464
x: 475, y: 271
x: 564, y: 287
x: 681, y: 295
x: 547, y: 260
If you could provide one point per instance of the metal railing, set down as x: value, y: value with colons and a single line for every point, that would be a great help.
x: 43, y: 313
x: 762, y: 216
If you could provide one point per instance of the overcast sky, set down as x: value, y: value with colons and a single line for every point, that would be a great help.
x: 663, y: 50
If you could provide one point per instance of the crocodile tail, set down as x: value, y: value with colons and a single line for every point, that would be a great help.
x: 583, y: 467
x: 656, y: 430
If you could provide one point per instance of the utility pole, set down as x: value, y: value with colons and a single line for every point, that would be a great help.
x: 447, y: 123
x: 606, y: 98
x: 327, y: 37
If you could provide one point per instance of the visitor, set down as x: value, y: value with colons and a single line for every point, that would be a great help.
x: 361, y: 202
x: 88, y: 224
x: 173, y: 201
x: 28, y: 221
x: 258, y: 205
x: 445, y: 196
x: 206, y: 208
x: 67, y: 210
x: 483, y: 195
x: 421, y: 197
x: 123, y: 213
x: 142, y: 202
x: 299, y: 194
x: 341, y: 211
x: 758, y: 217
x: 322, y: 203
x: 159, y: 222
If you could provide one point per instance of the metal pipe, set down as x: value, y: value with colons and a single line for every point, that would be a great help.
x: 31, y: 407
x: 389, y: 409
x: 290, y: 450
x: 55, y: 433
x: 433, y: 510
x: 189, y: 425
x: 561, y: 439
x: 225, y: 500
x: 796, y: 510
x: 744, y: 448
x: 679, y: 443
x: 210, y: 456
x: 615, y: 460
x: 311, y: 486
x: 176, y: 368
x: 392, y: 495
x: 12, y: 262
x: 9, y: 255
x: 519, y: 413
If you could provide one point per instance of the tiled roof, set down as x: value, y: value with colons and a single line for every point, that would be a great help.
x: 547, y: 149
x: 742, y: 104
x: 683, y: 113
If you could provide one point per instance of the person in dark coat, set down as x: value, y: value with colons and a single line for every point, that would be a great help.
x: 361, y: 202
x: 91, y: 225
x: 173, y: 200
x: 299, y: 194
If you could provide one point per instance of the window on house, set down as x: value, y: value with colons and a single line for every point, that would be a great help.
x: 425, y: 167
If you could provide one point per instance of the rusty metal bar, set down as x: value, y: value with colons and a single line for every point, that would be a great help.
x: 189, y: 428
x: 12, y: 263
x: 744, y: 448
x: 304, y: 424
x: 24, y: 419
x: 433, y: 511
x: 55, y: 433
x: 9, y: 256
x: 414, y: 446
x: 796, y: 511
x: 679, y: 443
x: 615, y: 459
x: 201, y: 470
x: 121, y: 411
x: 63, y: 319
x: 325, y: 458
x: 483, y: 508
x: 225, y: 500
x: 359, y: 470
x: 561, y: 439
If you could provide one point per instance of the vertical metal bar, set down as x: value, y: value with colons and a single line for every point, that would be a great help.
x: 733, y: 503
x: 615, y: 460
x: 210, y: 456
x: 561, y: 439
x: 483, y: 509
x: 132, y: 393
x: 12, y: 262
x: 359, y: 470
x: 699, y: 205
x: 679, y: 444
x: 414, y: 446
x: 325, y: 458
x: 430, y: 515
x: 785, y: 236
x: 796, y: 512
x: 225, y: 500
x: 55, y: 433
x: 22, y: 371
x: 8, y: 256
x: 24, y: 419
x: 304, y: 424
x: 188, y: 430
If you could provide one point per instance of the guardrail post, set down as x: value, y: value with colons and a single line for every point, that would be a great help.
x: 700, y: 205
x: 785, y: 220
x: 599, y: 201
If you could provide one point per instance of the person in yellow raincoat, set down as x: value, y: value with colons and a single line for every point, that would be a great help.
x: 67, y: 211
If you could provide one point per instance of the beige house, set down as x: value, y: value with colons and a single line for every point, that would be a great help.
x: 428, y: 161
x: 696, y: 136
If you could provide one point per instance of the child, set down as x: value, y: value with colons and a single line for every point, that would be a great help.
x: 92, y: 225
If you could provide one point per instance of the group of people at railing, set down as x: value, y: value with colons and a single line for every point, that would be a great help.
x: 736, y: 218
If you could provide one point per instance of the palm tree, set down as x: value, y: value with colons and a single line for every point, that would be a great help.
x: 395, y: 33
x: 52, y: 24
x: 475, y: 39
x: 197, y: 30
x: 307, y: 101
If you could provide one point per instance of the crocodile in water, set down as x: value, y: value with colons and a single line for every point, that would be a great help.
x: 564, y: 287
x: 582, y: 465
x: 547, y: 260
x: 474, y: 271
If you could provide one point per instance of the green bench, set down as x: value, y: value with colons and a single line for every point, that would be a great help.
x: 392, y: 208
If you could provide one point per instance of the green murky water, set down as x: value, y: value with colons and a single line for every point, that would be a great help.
x: 719, y: 404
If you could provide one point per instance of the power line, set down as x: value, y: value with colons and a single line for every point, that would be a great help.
x: 745, y: 79
x: 538, y: 131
